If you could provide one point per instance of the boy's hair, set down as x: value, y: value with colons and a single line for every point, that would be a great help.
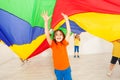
x: 77, y: 36
x: 62, y: 34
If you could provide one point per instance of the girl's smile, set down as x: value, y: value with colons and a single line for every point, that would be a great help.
x: 58, y: 36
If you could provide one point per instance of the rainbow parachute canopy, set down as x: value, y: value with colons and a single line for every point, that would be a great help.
x: 22, y: 27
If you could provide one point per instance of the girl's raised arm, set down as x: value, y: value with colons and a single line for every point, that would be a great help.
x: 46, y: 19
x: 67, y: 26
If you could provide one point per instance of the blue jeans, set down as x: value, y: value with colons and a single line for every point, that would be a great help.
x: 76, y: 48
x: 63, y: 74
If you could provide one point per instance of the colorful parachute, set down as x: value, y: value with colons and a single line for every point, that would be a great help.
x: 22, y: 28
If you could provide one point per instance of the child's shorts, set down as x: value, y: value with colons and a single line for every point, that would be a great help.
x: 76, y: 48
x: 63, y: 74
x: 115, y: 59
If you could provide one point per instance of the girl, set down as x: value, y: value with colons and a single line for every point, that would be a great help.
x: 59, y: 51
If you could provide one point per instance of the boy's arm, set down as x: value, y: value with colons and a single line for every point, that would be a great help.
x: 46, y: 19
x: 74, y: 34
x: 67, y: 26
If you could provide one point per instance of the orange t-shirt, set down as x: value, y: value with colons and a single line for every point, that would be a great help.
x: 60, y: 56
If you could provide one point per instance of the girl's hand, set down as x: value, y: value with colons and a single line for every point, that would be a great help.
x: 45, y: 16
x: 67, y: 26
x: 46, y: 19
x: 64, y: 15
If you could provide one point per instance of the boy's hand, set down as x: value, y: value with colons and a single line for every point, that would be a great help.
x: 118, y: 40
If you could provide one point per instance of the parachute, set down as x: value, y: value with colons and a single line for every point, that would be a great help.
x: 22, y: 27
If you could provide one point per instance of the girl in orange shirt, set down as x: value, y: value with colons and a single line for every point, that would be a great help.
x: 59, y: 51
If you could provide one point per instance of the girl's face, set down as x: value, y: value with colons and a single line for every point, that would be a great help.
x: 58, y: 36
